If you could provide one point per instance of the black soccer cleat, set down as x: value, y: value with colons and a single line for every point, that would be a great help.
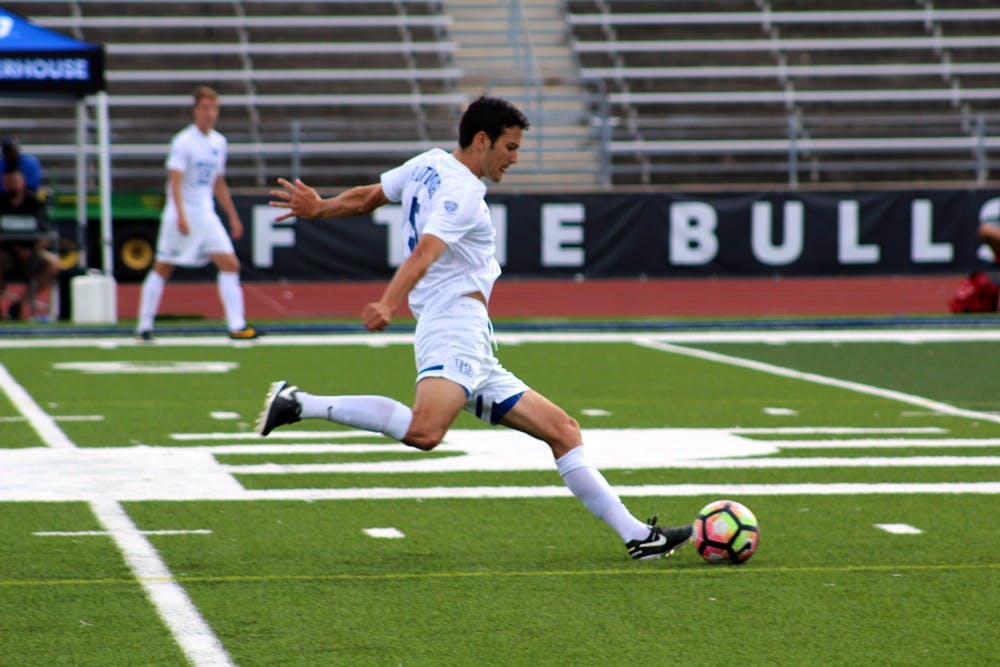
x: 280, y: 408
x: 145, y: 336
x: 660, y: 542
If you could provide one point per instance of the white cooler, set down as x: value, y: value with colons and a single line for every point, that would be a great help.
x: 95, y: 299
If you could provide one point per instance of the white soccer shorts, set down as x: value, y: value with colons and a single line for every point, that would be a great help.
x: 456, y: 342
x: 206, y: 237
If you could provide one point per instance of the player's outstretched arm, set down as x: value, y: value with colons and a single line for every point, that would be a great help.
x: 378, y: 314
x: 303, y: 201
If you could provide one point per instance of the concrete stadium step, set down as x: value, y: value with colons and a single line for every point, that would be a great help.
x: 507, y: 58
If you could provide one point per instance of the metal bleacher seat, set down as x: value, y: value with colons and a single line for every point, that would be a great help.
x: 853, y: 91
x: 375, y: 77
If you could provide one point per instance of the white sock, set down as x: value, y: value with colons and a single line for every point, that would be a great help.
x: 231, y: 295
x: 588, y: 484
x: 371, y: 413
x: 149, y: 300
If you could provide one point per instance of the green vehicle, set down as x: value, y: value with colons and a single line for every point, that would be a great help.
x: 135, y: 220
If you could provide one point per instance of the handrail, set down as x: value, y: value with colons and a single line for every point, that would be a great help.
x: 791, y: 71
x: 770, y: 45
x: 324, y: 74
x: 921, y: 142
x: 188, y: 22
x: 279, y: 48
x: 789, y: 97
x: 783, y: 17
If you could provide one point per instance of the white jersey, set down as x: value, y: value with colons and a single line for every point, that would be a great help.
x: 202, y: 159
x: 440, y: 196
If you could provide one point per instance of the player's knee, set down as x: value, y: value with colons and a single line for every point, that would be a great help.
x: 422, y: 438
x: 164, y: 270
x: 227, y: 263
x: 565, y: 435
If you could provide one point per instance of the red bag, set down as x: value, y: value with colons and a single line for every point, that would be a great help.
x: 976, y: 293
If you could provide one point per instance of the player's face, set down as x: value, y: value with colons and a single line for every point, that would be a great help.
x: 499, y: 157
x: 205, y: 113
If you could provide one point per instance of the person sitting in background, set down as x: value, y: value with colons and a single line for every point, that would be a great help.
x: 28, y: 165
x: 25, y: 259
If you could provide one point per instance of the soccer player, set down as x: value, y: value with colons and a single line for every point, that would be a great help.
x: 191, y: 233
x: 448, y: 277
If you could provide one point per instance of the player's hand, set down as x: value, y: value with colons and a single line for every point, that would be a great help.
x: 235, y: 228
x: 376, y: 316
x: 182, y: 225
x: 301, y: 200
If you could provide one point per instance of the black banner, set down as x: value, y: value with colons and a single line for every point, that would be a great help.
x: 653, y: 234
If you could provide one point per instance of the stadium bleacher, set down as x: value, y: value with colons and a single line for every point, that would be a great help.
x: 755, y: 91
x: 350, y: 86
x: 706, y: 92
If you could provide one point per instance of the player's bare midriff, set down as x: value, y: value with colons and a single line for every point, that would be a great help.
x: 478, y: 296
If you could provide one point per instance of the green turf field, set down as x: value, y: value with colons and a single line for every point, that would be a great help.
x: 142, y: 523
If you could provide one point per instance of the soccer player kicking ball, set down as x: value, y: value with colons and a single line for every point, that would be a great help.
x: 448, y: 277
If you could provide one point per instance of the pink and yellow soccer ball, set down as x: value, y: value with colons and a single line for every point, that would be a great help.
x: 726, y: 532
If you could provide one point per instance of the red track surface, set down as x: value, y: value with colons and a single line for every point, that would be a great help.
x: 711, y: 297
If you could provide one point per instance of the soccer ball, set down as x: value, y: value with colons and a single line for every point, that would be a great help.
x: 726, y: 531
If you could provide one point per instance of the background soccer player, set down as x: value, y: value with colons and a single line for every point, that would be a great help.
x: 191, y: 233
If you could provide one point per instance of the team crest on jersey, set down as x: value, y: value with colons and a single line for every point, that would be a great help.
x: 450, y: 206
x: 464, y: 367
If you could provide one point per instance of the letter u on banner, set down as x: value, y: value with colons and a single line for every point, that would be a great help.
x: 791, y: 234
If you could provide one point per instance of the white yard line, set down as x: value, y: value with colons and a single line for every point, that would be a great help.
x: 887, y: 443
x: 886, y: 335
x: 708, y: 464
x: 832, y: 430
x: 890, y: 394
x: 276, y: 435
x: 58, y: 418
x: 646, y: 490
x: 41, y: 421
x: 189, y: 629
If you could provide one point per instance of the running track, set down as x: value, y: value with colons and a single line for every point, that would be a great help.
x: 706, y: 297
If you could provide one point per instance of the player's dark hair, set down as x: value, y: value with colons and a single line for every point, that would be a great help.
x: 491, y: 115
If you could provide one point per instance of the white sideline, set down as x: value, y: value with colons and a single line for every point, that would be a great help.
x: 888, y: 335
x: 181, y: 617
x: 44, y: 425
x: 890, y: 394
x: 192, y: 633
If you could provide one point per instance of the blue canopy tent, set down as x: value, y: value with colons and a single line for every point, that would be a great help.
x: 36, y: 62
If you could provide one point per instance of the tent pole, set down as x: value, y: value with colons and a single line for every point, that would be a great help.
x: 81, y: 179
x: 104, y: 170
